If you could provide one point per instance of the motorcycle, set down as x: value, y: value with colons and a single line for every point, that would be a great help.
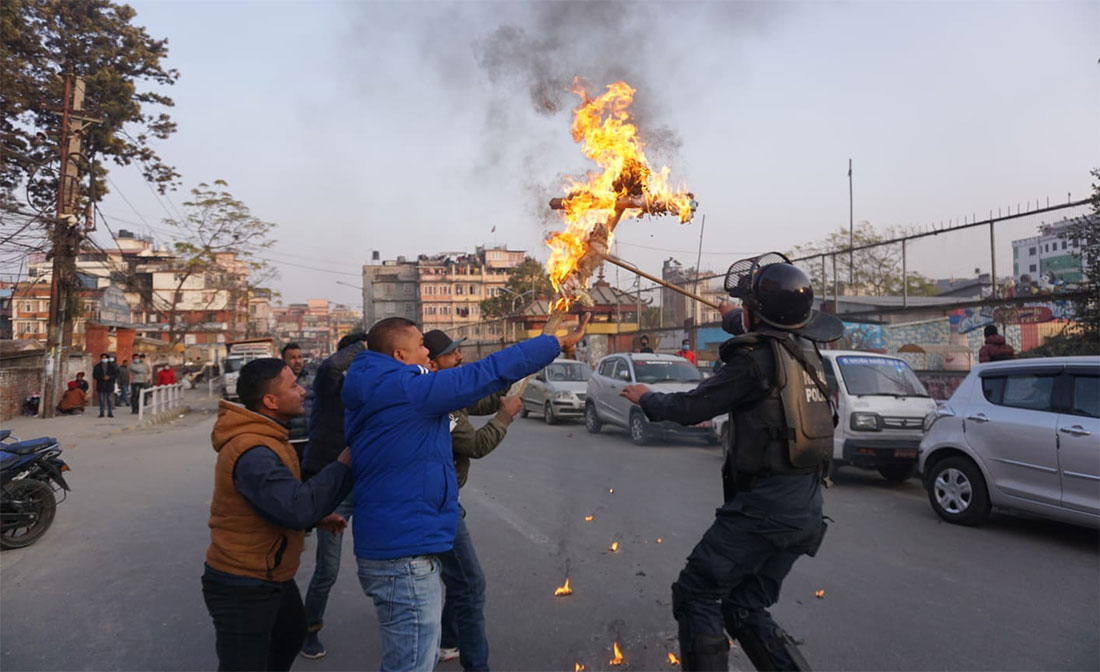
x: 30, y: 478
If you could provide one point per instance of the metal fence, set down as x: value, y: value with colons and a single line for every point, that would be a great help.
x: 159, y: 399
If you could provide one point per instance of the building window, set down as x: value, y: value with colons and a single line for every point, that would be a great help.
x: 459, y: 290
x: 1031, y: 251
x: 1064, y: 245
x: 1031, y: 268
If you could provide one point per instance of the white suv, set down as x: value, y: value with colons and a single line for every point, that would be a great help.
x: 1019, y: 434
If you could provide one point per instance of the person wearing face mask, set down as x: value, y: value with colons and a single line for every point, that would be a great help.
x: 686, y: 352
x: 398, y: 425
x: 139, y: 380
x: 105, y: 374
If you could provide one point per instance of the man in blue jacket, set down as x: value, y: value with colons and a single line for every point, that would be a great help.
x: 406, y: 494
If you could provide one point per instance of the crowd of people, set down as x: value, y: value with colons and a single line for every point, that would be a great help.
x: 389, y: 447
x: 117, y: 385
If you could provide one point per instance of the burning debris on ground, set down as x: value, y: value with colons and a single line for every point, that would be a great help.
x: 617, y: 657
x: 563, y: 589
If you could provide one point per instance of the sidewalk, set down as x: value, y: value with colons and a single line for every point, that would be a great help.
x: 71, y: 427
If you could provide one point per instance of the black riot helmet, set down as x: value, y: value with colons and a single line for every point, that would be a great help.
x: 774, y: 289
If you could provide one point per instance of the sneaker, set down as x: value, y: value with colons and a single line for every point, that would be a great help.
x: 312, y: 648
x: 447, y: 653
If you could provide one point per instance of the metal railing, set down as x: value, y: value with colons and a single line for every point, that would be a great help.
x: 161, y: 398
x: 214, y: 383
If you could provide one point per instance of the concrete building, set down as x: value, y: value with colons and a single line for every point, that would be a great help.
x: 675, y: 307
x: 1049, y: 254
x: 453, y: 285
x: 390, y: 289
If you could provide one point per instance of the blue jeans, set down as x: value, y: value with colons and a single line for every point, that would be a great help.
x: 464, y: 607
x: 123, y: 395
x: 408, y: 595
x: 106, y: 402
x: 326, y: 568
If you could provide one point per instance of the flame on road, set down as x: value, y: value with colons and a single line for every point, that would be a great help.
x: 577, y: 667
x: 588, y: 519
x: 617, y: 659
x: 672, y: 659
x: 563, y: 589
x: 614, y: 547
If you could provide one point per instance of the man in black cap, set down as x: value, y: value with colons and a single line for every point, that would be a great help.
x: 772, y: 386
x: 464, y: 606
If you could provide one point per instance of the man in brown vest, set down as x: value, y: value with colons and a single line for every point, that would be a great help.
x: 258, y: 513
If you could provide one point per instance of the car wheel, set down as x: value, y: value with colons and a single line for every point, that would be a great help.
x: 957, y: 492
x: 897, y: 473
x: 548, y: 414
x: 639, y: 430
x: 523, y: 412
x: 591, y: 419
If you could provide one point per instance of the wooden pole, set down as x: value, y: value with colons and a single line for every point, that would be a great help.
x: 634, y: 269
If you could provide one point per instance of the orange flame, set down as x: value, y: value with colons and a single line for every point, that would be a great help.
x: 614, y: 546
x: 564, y: 589
x: 659, y: 540
x: 603, y: 126
x: 672, y: 659
x: 588, y: 519
x: 820, y: 594
x: 577, y: 667
x: 618, y: 659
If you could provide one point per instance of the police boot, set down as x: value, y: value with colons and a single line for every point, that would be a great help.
x: 767, y: 645
x: 710, y: 653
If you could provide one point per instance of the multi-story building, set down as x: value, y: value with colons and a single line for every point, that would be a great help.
x: 1049, y: 255
x: 390, y: 289
x: 453, y: 285
x: 261, y: 319
x: 344, y: 321
x: 676, y: 308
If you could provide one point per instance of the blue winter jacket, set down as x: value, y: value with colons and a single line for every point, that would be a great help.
x: 397, y: 424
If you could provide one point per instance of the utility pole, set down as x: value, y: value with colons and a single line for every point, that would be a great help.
x: 66, y: 243
x: 851, y: 233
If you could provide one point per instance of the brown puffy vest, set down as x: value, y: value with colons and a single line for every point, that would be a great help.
x: 241, y: 541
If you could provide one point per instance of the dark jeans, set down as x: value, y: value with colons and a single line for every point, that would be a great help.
x: 257, y: 627
x: 326, y: 569
x: 734, y: 573
x: 135, y: 395
x: 464, y: 604
x: 106, y: 402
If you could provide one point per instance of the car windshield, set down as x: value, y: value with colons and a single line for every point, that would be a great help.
x: 568, y: 372
x: 880, y: 376
x: 660, y: 371
x: 233, y: 364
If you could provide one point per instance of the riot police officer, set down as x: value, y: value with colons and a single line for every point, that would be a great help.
x: 772, y: 384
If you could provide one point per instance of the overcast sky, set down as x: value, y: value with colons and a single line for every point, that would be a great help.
x: 417, y: 127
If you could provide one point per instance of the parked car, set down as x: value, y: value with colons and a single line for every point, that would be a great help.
x: 1021, y: 435
x: 882, y: 405
x: 558, y: 391
x: 662, y: 373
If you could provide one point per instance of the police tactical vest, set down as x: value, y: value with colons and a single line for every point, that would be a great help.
x: 789, y: 431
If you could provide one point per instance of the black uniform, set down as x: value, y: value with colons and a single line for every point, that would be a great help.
x: 769, y: 519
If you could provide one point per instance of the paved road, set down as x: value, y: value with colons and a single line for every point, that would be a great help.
x: 115, y: 583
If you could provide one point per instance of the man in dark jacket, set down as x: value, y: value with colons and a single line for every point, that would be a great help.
x: 105, y: 374
x: 257, y: 513
x: 406, y: 494
x: 772, y: 513
x: 124, y: 383
x: 326, y: 441
x: 995, y: 348
x: 463, y: 621
x: 299, y: 426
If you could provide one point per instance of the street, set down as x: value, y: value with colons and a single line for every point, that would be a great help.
x: 114, y: 584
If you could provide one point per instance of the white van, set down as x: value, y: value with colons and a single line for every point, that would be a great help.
x: 882, y: 406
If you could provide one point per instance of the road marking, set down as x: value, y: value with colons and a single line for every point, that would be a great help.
x: 530, y: 532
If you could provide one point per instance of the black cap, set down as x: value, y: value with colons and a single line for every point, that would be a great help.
x: 439, y: 343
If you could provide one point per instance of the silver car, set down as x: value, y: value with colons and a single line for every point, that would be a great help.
x: 558, y: 391
x: 1018, y: 434
x: 662, y: 373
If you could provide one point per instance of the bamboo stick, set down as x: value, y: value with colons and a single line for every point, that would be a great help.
x: 634, y: 269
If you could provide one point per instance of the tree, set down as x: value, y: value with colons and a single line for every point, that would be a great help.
x: 1083, y: 335
x: 528, y: 278
x: 216, y: 250
x: 877, y: 269
x: 93, y: 39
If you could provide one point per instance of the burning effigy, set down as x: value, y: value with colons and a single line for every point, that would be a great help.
x: 624, y: 185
